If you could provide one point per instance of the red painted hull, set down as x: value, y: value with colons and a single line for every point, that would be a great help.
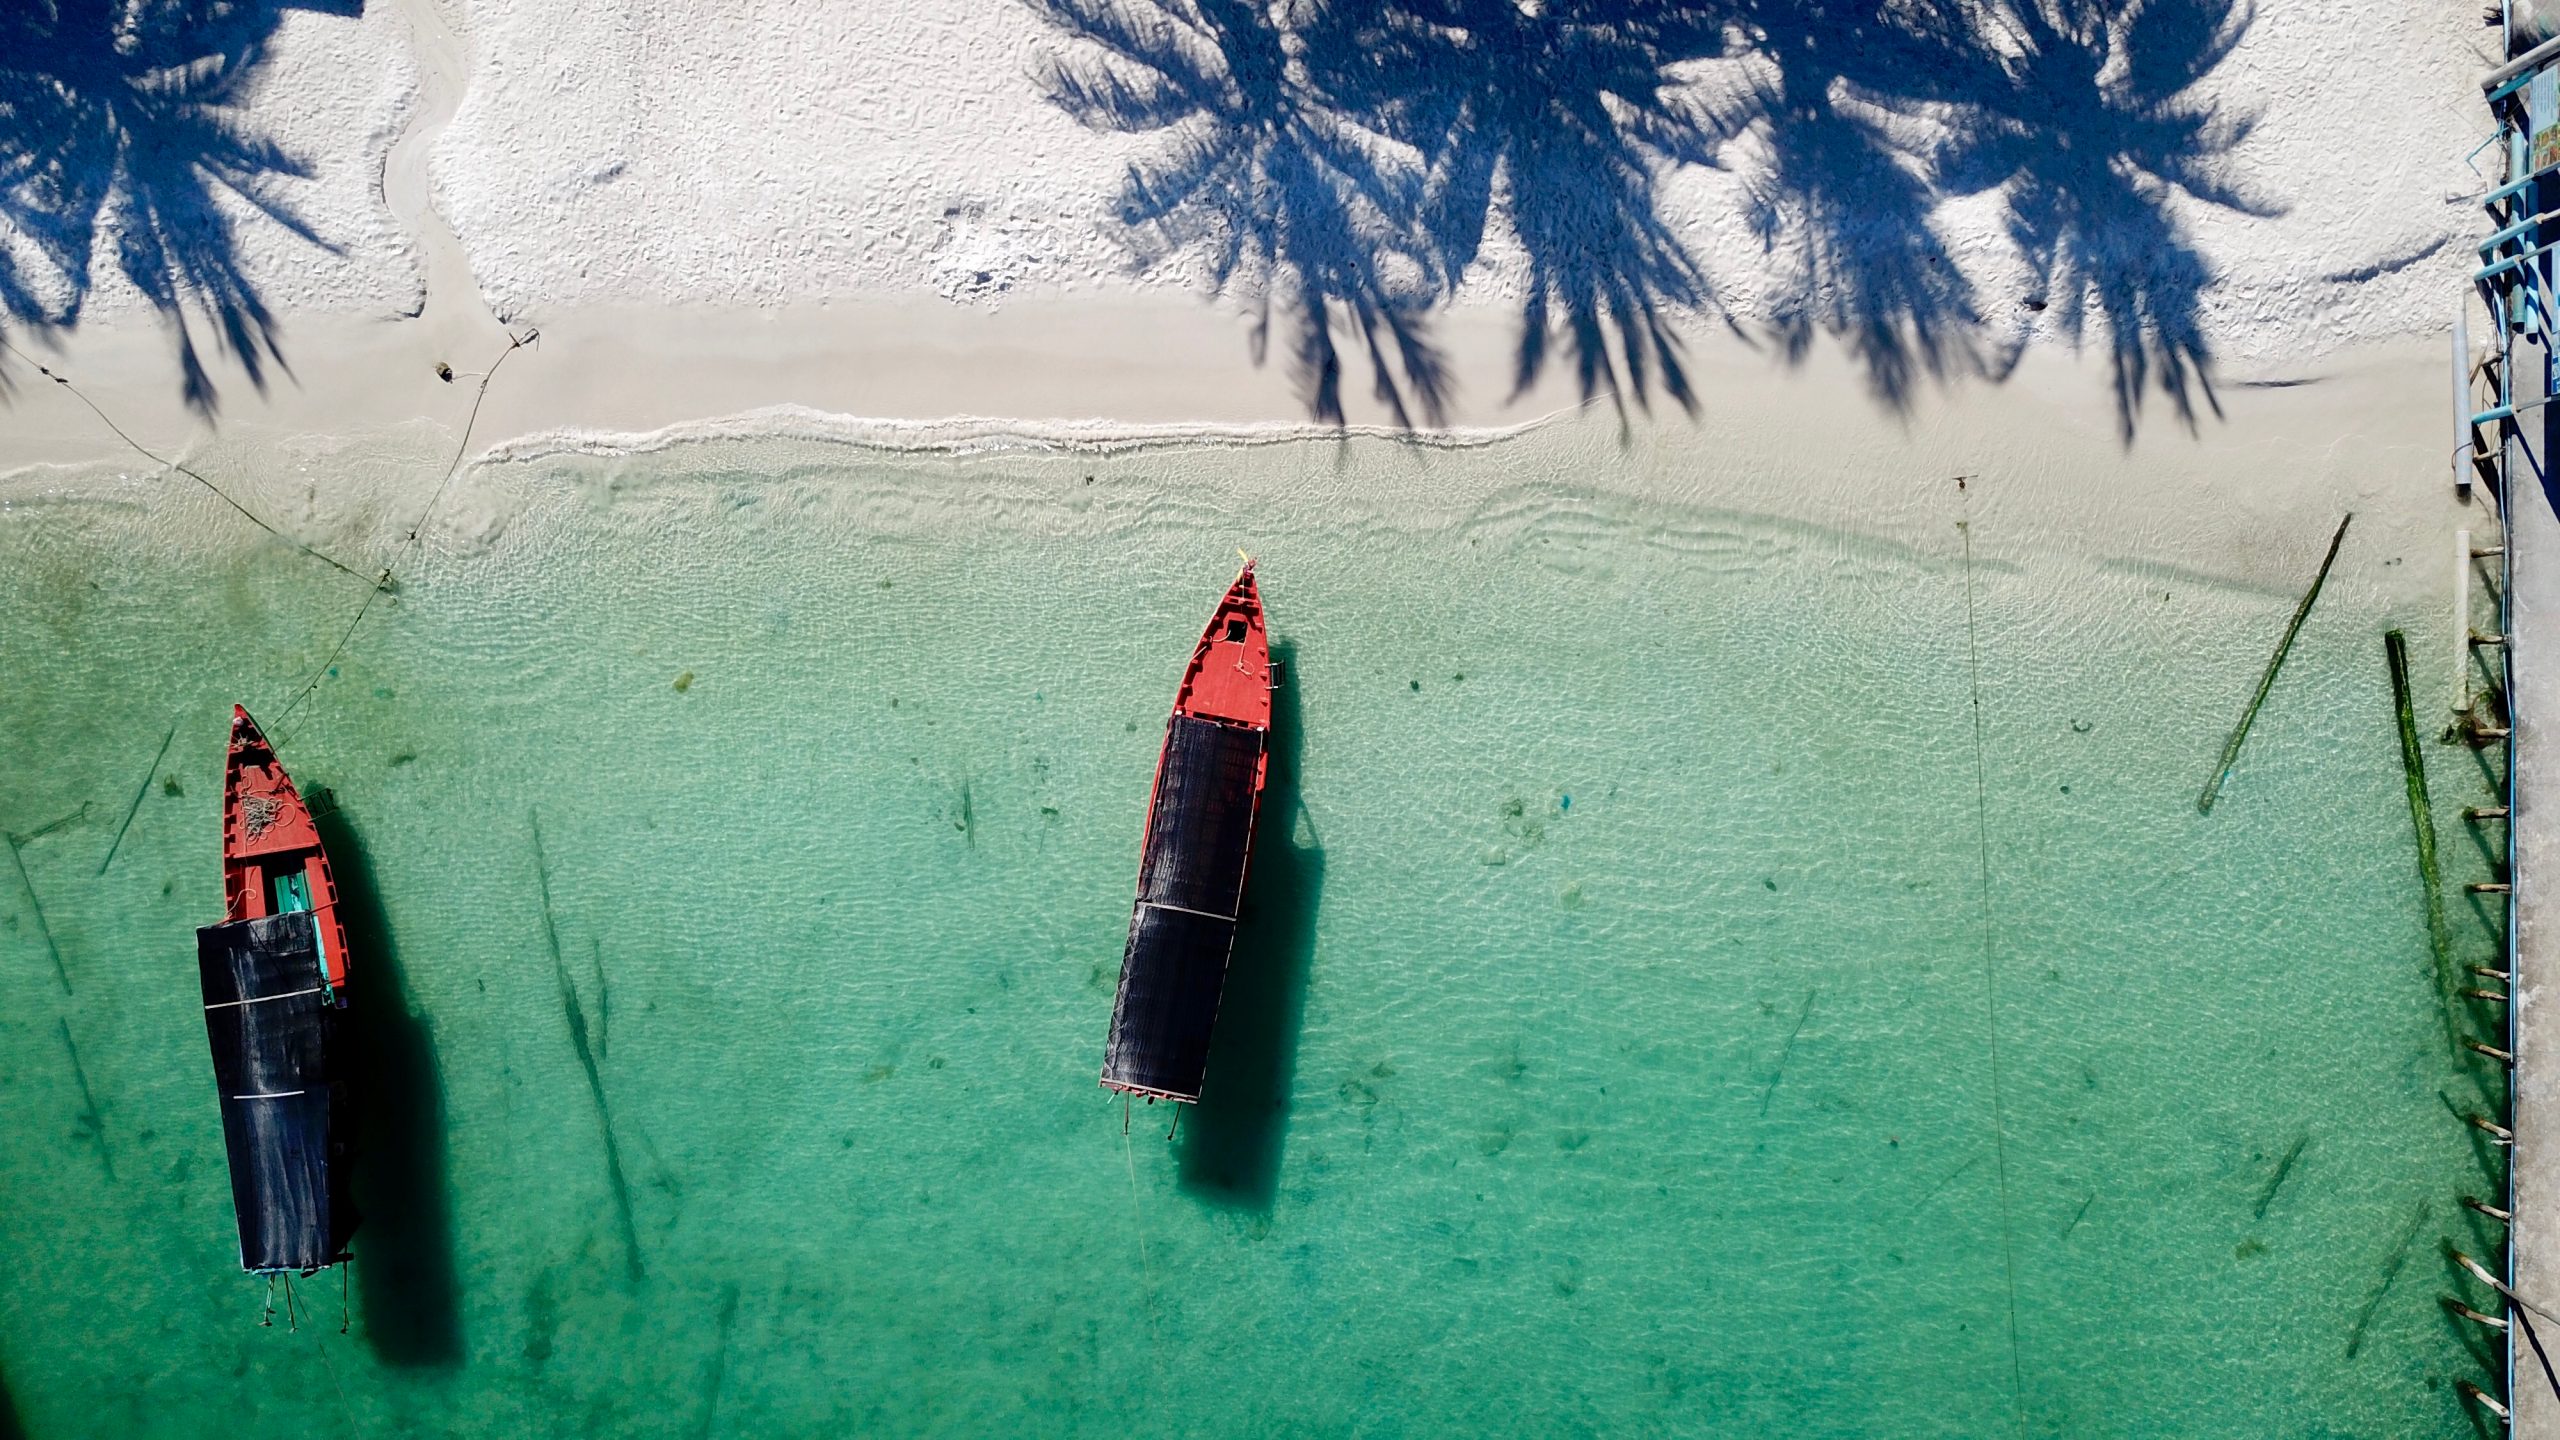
x: 1229, y: 677
x: 268, y: 840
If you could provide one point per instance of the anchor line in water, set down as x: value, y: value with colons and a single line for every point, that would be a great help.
x: 1991, y: 984
x: 224, y: 495
x: 1146, y: 1268
x: 409, y: 543
x: 320, y: 1345
x: 2284, y: 1168
x: 1137, y: 1215
x: 2079, y: 1215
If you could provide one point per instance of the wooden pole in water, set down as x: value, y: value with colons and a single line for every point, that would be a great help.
x: 2486, y: 1322
x: 2267, y: 682
x: 2413, y: 767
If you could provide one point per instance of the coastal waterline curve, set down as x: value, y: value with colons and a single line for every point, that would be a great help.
x: 1672, y: 909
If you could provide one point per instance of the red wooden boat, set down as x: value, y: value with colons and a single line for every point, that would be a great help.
x: 275, y: 976
x: 272, y: 863
x: 1191, y: 870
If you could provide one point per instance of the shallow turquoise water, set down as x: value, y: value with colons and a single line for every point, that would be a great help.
x: 1665, y: 1012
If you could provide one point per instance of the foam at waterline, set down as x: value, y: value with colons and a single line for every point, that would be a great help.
x: 981, y: 435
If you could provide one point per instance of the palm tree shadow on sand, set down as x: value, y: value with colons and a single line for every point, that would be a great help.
x: 406, y: 1286
x: 1231, y: 1142
x: 126, y: 138
x: 1346, y: 164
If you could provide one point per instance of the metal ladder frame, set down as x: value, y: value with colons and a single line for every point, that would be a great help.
x: 2514, y: 283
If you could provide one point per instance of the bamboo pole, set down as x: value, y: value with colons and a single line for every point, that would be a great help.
x: 2413, y: 766
x: 2267, y: 682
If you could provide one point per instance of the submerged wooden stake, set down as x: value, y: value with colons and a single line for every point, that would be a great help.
x: 89, y: 1115
x: 2390, y: 1271
x: 1787, y: 1050
x: 2284, y: 1168
x: 142, y: 790
x: 2267, y: 682
x: 43, y: 926
x: 573, y: 1012
x: 2413, y: 766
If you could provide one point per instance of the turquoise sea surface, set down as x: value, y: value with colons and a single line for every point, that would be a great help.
x: 1706, y: 973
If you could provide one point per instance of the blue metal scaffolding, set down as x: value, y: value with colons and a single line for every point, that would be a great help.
x: 2500, y: 391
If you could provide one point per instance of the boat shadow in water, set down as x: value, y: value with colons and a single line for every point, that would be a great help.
x: 11, y: 1427
x: 1231, y: 1142
x: 406, y: 1286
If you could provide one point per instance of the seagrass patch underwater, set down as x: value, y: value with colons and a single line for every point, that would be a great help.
x: 1709, y: 970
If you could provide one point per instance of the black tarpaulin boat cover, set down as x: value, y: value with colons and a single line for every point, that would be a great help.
x: 1190, y: 880
x: 272, y: 1029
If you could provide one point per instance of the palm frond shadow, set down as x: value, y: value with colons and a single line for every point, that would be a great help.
x: 2088, y: 164
x: 1343, y: 168
x: 124, y: 128
x: 1843, y: 197
x: 1284, y: 198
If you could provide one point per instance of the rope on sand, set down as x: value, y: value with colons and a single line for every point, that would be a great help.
x: 409, y: 544
x: 139, y: 448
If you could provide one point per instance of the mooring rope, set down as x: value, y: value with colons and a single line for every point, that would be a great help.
x: 409, y: 544
x: 1138, y: 1219
x: 1146, y: 1268
x: 1991, y: 981
x: 139, y: 448
x: 320, y: 1343
x: 375, y: 586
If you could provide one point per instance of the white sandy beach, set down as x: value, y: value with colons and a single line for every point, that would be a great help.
x: 711, y: 209
x: 732, y: 220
